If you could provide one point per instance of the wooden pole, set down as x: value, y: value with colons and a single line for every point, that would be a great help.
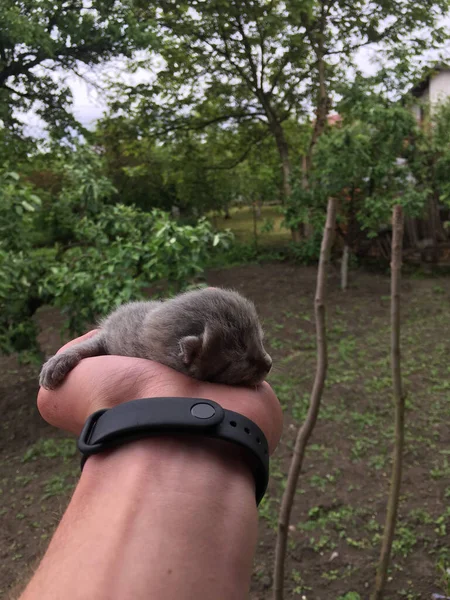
x: 396, y: 478
x: 307, y: 428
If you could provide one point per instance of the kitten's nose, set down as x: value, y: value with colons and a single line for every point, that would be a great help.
x: 267, y: 363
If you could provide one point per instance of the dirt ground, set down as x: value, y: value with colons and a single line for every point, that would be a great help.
x: 340, y: 504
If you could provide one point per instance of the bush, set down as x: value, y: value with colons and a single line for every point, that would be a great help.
x: 114, y: 256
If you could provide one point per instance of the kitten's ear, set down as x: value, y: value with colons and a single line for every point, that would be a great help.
x: 190, y: 348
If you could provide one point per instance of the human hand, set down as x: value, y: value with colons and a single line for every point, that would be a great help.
x: 183, y: 508
x: 106, y: 381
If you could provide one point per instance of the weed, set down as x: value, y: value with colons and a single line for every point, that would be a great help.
x: 437, y: 289
x: 24, y: 480
x: 404, y: 542
x: 361, y: 447
x: 57, y: 486
x: 443, y: 567
x: 268, y: 511
x: 378, y: 461
x: 331, y: 575
x: 441, y: 523
x: 64, y: 448
x: 346, y: 348
x: 420, y: 515
x: 321, y: 482
x: 324, y: 542
x: 300, y: 586
x: 441, y: 471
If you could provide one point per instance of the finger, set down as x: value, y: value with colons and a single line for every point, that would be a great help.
x: 105, y: 381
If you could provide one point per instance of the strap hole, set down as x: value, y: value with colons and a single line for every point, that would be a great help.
x: 258, y: 440
x: 233, y: 423
x: 247, y: 430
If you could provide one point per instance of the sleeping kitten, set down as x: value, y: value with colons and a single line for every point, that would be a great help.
x: 210, y: 334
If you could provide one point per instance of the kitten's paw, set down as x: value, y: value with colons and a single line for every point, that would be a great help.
x: 56, y: 368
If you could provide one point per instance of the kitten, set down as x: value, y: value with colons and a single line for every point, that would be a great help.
x: 210, y: 334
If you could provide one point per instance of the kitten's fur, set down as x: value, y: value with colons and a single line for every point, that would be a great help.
x: 210, y: 334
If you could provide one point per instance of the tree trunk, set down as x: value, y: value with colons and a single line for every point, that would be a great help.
x: 392, y: 507
x: 323, y: 104
x: 344, y: 267
x: 411, y: 229
x: 297, y: 233
x: 283, y: 150
x: 437, y: 232
x: 307, y: 428
x: 258, y: 209
x: 255, y: 226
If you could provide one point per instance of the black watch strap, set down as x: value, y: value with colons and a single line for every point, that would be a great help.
x: 148, y: 417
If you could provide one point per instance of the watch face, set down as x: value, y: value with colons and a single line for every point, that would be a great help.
x: 202, y: 410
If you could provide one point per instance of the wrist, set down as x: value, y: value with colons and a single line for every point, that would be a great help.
x: 166, y: 517
x: 203, y: 468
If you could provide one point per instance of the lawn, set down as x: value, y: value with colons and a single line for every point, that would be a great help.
x: 241, y: 224
x: 340, y: 504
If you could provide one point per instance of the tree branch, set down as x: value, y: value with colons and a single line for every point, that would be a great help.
x: 248, y: 52
x: 243, y: 156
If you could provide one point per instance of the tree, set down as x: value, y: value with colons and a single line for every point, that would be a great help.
x: 108, y: 254
x: 41, y: 41
x: 430, y: 166
x: 241, y: 62
x: 196, y: 171
x: 234, y: 63
x: 364, y: 162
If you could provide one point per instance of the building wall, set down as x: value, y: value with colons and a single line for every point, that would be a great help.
x: 440, y: 87
x: 437, y: 91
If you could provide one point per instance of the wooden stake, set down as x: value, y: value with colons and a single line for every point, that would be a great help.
x: 307, y: 428
x: 344, y: 268
x: 394, y: 494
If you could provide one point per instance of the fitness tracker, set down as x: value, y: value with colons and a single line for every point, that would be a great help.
x: 149, y: 417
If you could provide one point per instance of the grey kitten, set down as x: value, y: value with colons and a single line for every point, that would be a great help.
x: 210, y: 334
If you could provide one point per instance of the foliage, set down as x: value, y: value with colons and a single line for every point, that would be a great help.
x: 432, y: 157
x: 364, y: 163
x: 40, y: 36
x: 18, y: 202
x: 439, y: 138
x: 20, y: 275
x: 195, y: 172
x: 101, y: 255
x: 253, y: 68
x: 83, y: 188
x: 120, y: 252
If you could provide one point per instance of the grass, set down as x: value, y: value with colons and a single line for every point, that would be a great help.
x: 241, y: 224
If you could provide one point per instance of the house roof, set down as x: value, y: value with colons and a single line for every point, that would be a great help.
x: 424, y: 83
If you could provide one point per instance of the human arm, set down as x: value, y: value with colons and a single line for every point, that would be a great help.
x: 159, y: 518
